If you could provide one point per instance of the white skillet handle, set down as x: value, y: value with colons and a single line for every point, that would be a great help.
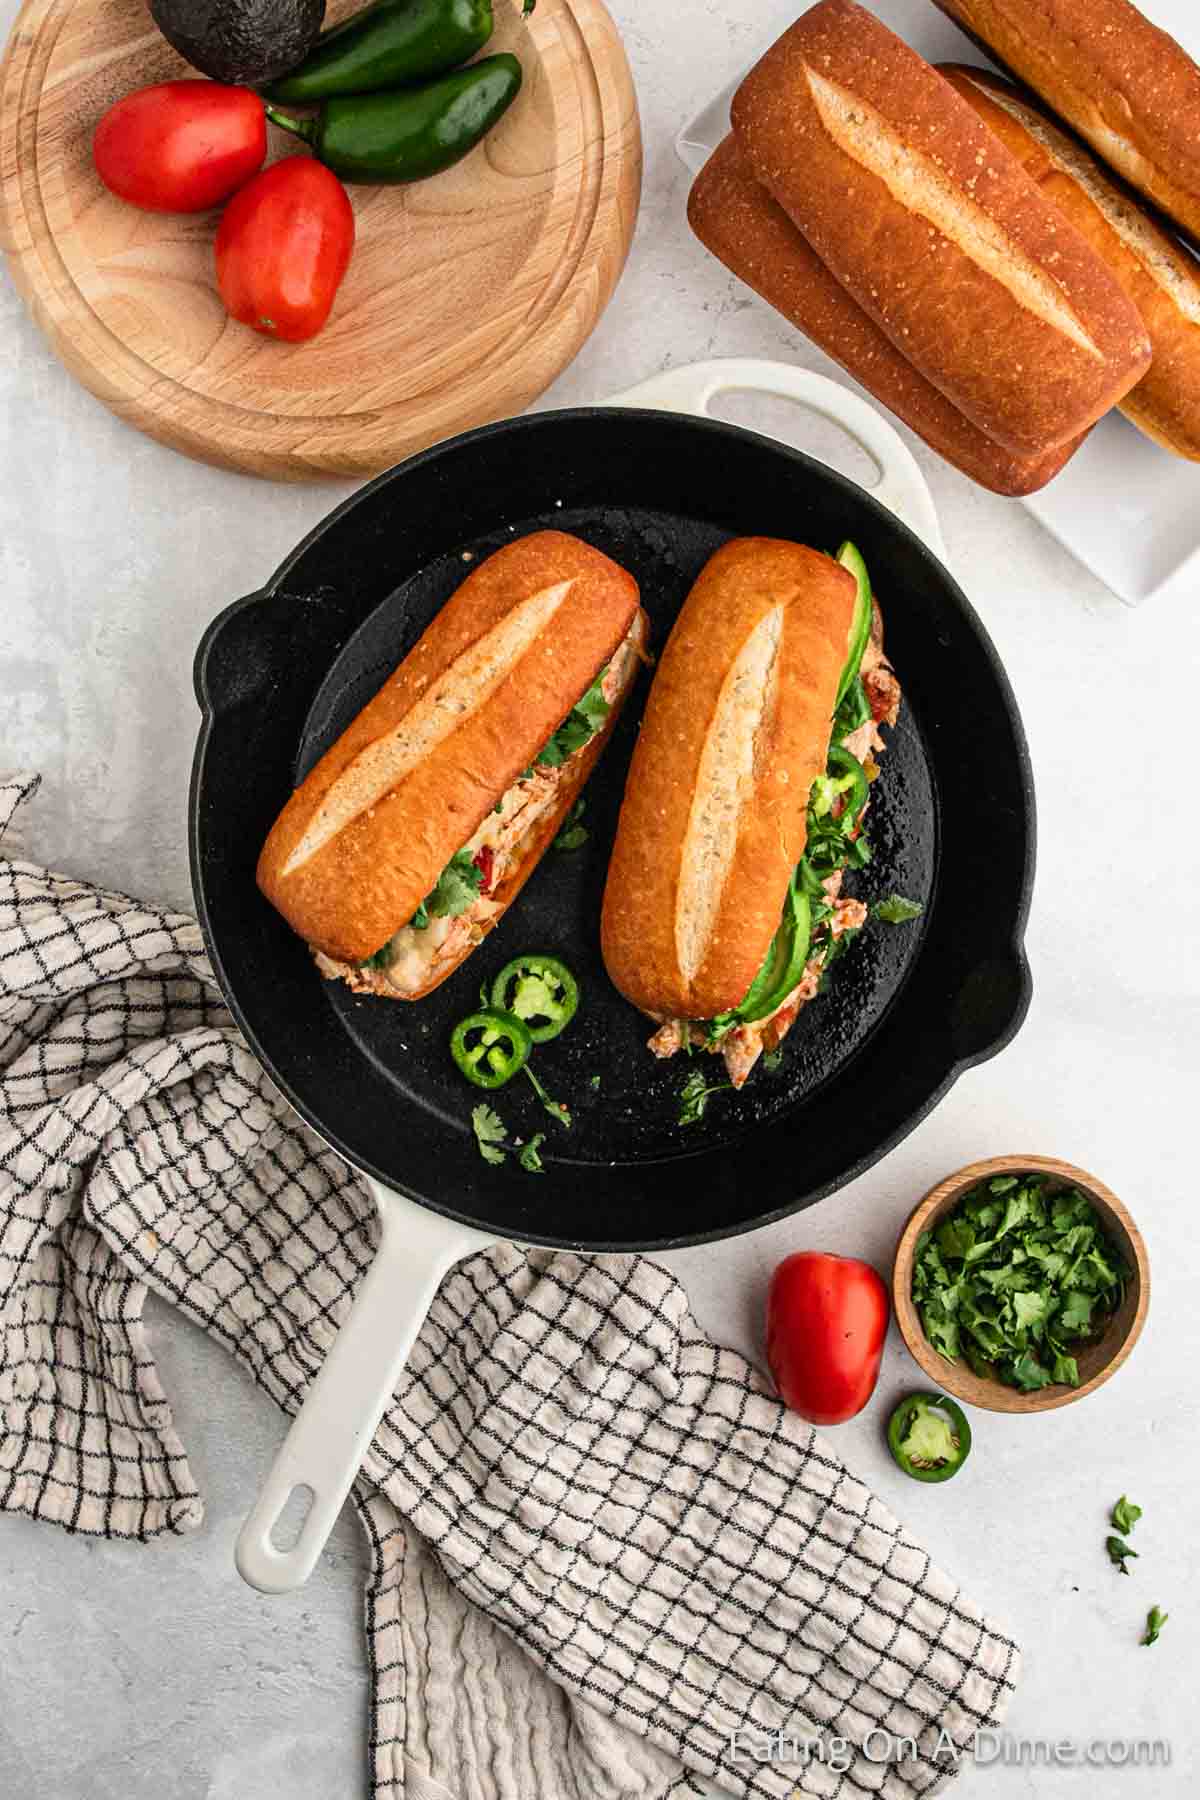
x: 331, y: 1433
x: 901, y: 486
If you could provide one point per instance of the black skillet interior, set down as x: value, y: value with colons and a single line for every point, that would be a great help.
x: 951, y: 825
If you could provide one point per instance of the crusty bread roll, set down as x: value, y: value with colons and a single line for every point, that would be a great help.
x: 734, y: 216
x: 937, y: 231
x: 714, y: 816
x: 1125, y: 85
x: 366, y: 836
x: 1157, y: 273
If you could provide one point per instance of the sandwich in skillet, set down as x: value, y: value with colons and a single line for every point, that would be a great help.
x: 744, y: 805
x: 416, y: 830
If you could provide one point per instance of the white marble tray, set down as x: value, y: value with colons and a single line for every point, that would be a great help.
x: 1128, y: 510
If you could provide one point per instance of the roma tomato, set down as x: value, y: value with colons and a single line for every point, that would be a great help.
x: 181, y: 146
x: 827, y: 1317
x: 283, y: 245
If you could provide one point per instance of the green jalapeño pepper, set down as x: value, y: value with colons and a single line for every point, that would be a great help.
x: 850, y: 778
x: 393, y: 44
x: 782, y: 966
x: 860, y: 624
x: 540, y: 991
x: 416, y: 132
x: 490, y: 1047
x: 929, y: 1437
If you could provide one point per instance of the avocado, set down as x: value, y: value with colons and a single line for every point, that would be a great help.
x: 241, y: 41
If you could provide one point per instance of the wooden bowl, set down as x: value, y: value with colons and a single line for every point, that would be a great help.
x: 1097, y: 1360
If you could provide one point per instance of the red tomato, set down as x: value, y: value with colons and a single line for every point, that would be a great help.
x: 182, y: 146
x: 283, y: 245
x: 827, y: 1317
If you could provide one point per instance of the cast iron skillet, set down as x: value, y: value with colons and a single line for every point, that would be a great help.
x: 952, y: 823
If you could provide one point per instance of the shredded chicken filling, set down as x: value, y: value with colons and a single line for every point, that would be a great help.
x: 497, y: 848
x: 743, y: 1045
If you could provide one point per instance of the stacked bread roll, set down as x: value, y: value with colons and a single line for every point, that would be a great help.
x: 958, y: 252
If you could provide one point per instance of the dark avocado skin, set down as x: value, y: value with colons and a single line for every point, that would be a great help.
x: 240, y: 41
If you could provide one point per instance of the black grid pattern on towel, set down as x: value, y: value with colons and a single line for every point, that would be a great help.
x: 623, y: 1497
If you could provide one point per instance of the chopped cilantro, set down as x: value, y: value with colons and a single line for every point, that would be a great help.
x: 494, y: 1145
x: 1155, y: 1620
x: 383, y: 958
x: 457, y: 887
x: 1125, y: 1515
x: 694, y: 1096
x: 489, y: 1133
x: 555, y: 1108
x: 581, y: 723
x: 854, y: 711
x: 573, y: 834
x: 528, y: 1157
x: 1013, y: 1278
x: 896, y: 909
x: 1117, y: 1553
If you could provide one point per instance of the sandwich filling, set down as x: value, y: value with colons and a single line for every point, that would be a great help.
x: 818, y: 921
x: 460, y: 908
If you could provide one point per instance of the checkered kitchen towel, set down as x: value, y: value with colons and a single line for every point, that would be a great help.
x: 600, y: 1549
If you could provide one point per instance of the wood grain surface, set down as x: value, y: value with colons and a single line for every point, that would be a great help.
x: 1097, y: 1360
x: 468, y: 294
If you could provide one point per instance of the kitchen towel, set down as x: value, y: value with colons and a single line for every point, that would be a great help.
x: 604, y: 1559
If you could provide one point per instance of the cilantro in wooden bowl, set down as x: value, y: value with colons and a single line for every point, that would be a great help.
x: 1020, y: 1284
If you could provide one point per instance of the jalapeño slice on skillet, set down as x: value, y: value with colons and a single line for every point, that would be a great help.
x: 540, y: 991
x: 490, y: 1047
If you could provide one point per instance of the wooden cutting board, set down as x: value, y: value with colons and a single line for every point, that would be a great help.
x: 467, y: 294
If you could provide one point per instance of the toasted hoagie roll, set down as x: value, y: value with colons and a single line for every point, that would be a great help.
x: 744, y: 802
x: 418, y: 827
x: 937, y: 231
x: 735, y: 217
x: 1155, y: 270
x: 1124, y: 84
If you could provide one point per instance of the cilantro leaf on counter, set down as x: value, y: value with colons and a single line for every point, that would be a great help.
x: 1155, y: 1620
x: 1014, y: 1278
x: 490, y: 1134
x: 1125, y: 1515
x: 1118, y: 1553
x: 895, y: 910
